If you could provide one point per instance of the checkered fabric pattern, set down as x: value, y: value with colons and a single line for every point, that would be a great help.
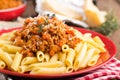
x: 110, y: 71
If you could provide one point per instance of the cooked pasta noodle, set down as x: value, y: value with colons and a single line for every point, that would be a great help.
x: 62, y: 57
x: 29, y: 60
x: 2, y: 64
x: 12, y: 55
x: 7, y: 36
x: 11, y: 48
x: 87, y: 35
x: 16, y: 62
x: 46, y: 58
x: 80, y: 56
x: 40, y: 56
x: 78, y: 47
x: 2, y: 42
x: 93, y: 60
x: 88, y: 56
x: 22, y: 69
x: 98, y: 40
x: 6, y: 57
x: 69, y: 69
x: 59, y: 70
x: 70, y: 57
x: 45, y: 64
x: 54, y: 58
x: 65, y: 48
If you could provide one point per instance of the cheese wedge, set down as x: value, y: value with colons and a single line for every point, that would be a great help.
x: 94, y: 17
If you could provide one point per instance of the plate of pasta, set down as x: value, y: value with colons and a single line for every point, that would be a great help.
x: 45, y: 47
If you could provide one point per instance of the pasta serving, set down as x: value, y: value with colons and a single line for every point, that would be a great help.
x: 45, y: 45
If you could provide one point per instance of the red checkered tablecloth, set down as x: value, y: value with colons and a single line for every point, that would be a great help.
x: 110, y: 71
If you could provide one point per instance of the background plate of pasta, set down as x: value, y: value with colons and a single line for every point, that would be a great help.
x: 45, y: 47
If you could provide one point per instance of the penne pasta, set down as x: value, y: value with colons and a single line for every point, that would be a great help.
x: 69, y: 69
x: 95, y: 44
x: 16, y: 62
x: 2, y: 64
x: 12, y: 55
x: 65, y: 48
x: 7, y: 36
x: 22, y: 69
x: 58, y: 70
x: 79, y: 58
x: 91, y: 46
x: 46, y: 57
x: 78, y: 34
x: 29, y: 60
x: 2, y: 42
x: 78, y: 47
x: 97, y: 52
x: 87, y: 35
x: 40, y: 56
x: 88, y: 56
x: 45, y: 64
x: 54, y: 58
x: 6, y: 57
x: 62, y: 57
x: 70, y: 57
x: 11, y: 48
x: 93, y: 60
x: 99, y: 41
x: 101, y: 48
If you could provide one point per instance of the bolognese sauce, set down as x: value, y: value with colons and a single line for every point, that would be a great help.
x: 43, y: 33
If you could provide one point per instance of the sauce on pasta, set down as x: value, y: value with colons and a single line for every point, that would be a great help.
x: 43, y: 33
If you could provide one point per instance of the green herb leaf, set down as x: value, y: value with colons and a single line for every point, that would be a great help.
x: 41, y: 28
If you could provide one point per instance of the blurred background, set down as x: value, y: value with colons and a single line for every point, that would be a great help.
x: 102, y: 16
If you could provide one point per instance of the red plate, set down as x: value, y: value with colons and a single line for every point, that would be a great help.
x: 105, y: 58
x: 12, y: 13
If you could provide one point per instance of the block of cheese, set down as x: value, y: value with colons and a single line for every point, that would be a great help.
x: 94, y: 17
